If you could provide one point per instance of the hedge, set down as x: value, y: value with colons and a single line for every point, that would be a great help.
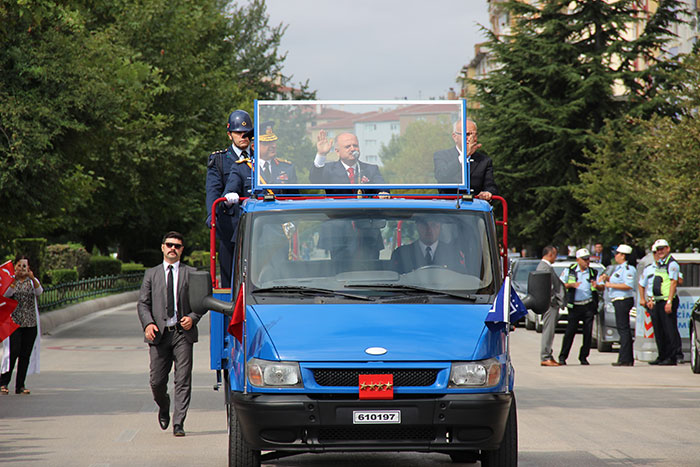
x: 68, y: 256
x: 132, y: 267
x: 61, y: 276
x: 198, y: 259
x: 103, y: 266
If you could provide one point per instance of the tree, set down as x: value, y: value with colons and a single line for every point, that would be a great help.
x: 641, y: 183
x: 550, y: 96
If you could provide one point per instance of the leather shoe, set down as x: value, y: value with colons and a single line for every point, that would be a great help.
x: 178, y: 431
x: 164, y: 418
x: 549, y: 362
x: 667, y: 362
x: 584, y: 361
x: 655, y: 362
x: 562, y: 361
x: 622, y: 363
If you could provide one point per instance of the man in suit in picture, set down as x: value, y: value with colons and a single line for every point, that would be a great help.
x: 170, y: 329
x: 449, y: 164
x: 347, y: 169
x: 428, y: 250
x: 551, y: 316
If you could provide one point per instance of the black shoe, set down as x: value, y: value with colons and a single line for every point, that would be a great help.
x: 655, y: 362
x: 667, y: 362
x: 583, y: 361
x: 178, y: 431
x: 164, y: 418
x: 622, y: 363
x: 562, y: 361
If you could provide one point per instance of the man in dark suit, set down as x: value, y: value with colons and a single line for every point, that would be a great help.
x: 170, y: 329
x: 428, y: 250
x: 348, y: 169
x: 449, y: 168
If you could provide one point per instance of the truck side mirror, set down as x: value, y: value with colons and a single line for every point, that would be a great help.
x: 200, y: 295
x: 539, y: 291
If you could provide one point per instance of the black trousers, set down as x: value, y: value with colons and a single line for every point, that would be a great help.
x: 578, y: 313
x: 172, y: 348
x: 21, y: 344
x: 622, y: 321
x: 668, y: 339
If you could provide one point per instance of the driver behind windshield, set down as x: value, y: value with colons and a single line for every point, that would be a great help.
x: 428, y: 250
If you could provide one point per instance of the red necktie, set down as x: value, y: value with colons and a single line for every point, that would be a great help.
x: 351, y: 174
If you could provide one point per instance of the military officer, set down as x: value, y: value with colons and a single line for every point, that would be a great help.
x: 621, y: 285
x: 273, y: 170
x: 240, y: 130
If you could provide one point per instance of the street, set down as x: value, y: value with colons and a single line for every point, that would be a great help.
x: 91, y: 406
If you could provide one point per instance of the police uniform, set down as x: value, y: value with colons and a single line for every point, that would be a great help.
x: 582, y: 305
x: 668, y: 339
x: 218, y: 171
x: 623, y: 301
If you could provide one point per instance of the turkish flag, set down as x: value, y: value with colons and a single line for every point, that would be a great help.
x: 7, y: 305
x: 235, y: 326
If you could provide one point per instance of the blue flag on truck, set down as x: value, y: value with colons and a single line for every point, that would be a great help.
x: 516, y: 308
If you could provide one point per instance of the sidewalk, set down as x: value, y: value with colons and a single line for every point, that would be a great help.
x: 50, y: 320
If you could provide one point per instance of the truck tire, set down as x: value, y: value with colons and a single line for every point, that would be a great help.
x: 507, y: 453
x: 694, y: 352
x: 601, y: 345
x: 240, y: 454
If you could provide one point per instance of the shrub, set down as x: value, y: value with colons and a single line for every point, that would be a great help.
x: 61, y: 276
x: 68, y: 256
x: 103, y: 266
x: 128, y: 268
x: 198, y: 259
x: 34, y: 249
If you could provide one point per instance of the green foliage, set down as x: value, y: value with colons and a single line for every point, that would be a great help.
x: 109, y: 110
x: 128, y: 268
x: 100, y: 266
x: 549, y: 98
x: 642, y: 181
x: 61, y: 276
x: 198, y: 259
x: 34, y: 249
x: 68, y: 256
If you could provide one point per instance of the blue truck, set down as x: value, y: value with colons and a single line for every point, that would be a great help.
x: 339, y: 332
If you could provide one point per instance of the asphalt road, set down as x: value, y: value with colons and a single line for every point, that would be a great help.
x: 91, y: 406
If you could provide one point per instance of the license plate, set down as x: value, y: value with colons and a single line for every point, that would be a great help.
x: 360, y: 417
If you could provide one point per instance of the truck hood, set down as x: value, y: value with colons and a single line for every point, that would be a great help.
x: 343, y: 332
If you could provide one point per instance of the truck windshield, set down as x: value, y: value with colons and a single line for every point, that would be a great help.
x: 368, y: 251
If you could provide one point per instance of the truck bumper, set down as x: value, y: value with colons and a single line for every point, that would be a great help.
x: 439, y: 423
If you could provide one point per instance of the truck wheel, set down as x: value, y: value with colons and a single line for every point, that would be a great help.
x: 507, y: 454
x: 694, y: 352
x: 529, y: 324
x: 465, y: 457
x: 240, y: 453
x: 601, y: 345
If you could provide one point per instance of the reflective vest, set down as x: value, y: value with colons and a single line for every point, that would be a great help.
x: 662, y: 281
x: 571, y: 293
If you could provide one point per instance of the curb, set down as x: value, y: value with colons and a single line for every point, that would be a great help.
x: 50, y: 320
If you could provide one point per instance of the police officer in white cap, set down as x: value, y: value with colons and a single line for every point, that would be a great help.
x: 621, y: 285
x: 582, y: 287
x: 664, y: 315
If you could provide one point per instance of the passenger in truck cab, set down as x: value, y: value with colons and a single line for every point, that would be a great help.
x: 347, y: 169
x: 428, y: 250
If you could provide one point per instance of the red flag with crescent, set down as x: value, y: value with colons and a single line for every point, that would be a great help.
x: 7, y: 305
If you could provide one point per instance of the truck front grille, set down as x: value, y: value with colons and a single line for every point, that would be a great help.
x: 350, y: 377
x: 376, y: 433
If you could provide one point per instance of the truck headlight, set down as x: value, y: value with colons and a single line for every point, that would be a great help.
x: 484, y: 373
x: 264, y: 373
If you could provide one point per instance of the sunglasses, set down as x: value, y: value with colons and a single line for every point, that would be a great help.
x: 173, y: 245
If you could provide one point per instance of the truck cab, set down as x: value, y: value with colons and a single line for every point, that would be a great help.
x: 342, y: 333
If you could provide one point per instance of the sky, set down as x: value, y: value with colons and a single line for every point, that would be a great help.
x: 378, y: 49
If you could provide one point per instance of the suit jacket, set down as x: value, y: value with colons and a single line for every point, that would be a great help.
x: 153, y: 299
x: 558, y: 297
x: 334, y: 172
x: 448, y: 169
x: 406, y: 258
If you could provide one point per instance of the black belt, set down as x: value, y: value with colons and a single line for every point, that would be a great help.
x: 172, y: 328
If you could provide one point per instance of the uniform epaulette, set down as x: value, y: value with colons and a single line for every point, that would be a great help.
x: 218, y: 152
x: 240, y: 161
x: 282, y: 160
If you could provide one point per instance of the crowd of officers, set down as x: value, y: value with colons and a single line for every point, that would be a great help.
x: 657, y: 286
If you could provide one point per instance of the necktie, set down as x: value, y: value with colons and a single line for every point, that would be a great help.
x: 267, y: 173
x: 170, y: 306
x: 351, y: 174
x: 428, y: 255
x: 244, y: 154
